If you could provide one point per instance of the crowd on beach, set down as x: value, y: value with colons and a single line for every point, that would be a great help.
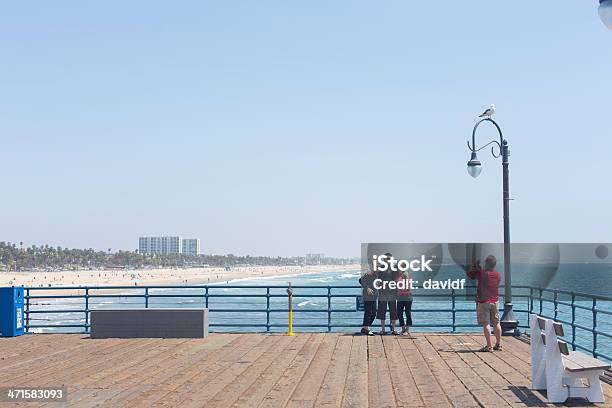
x: 157, y: 276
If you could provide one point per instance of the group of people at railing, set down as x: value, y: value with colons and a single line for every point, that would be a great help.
x: 382, y: 298
x: 398, y: 302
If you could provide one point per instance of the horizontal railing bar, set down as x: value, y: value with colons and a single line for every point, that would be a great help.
x: 273, y: 310
x: 577, y: 305
x: 567, y: 292
x: 583, y: 348
x: 579, y: 326
x: 220, y: 286
x: 224, y: 286
x: 37, y: 326
x: 603, y: 333
x: 209, y: 286
x: 576, y: 325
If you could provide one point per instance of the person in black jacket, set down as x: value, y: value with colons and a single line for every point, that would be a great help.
x: 369, y: 300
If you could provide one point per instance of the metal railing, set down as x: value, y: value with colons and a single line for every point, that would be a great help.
x: 146, y: 294
x: 545, y: 302
x: 574, y: 303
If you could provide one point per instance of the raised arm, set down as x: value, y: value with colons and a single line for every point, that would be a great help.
x: 474, y: 269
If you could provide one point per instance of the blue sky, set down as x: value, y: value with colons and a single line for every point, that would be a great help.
x: 280, y: 128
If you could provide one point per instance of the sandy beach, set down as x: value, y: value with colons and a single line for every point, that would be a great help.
x: 161, y: 276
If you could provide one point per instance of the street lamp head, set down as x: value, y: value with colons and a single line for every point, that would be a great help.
x: 605, y: 12
x: 474, y: 167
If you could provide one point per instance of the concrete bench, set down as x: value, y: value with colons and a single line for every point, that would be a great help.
x: 164, y: 323
x: 560, y: 371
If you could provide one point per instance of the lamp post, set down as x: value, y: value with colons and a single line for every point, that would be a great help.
x: 605, y: 12
x: 509, y: 322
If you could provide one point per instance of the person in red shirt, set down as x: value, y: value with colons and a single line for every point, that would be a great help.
x: 404, y: 304
x: 487, y: 297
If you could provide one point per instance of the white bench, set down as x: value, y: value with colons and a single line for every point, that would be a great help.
x: 560, y: 371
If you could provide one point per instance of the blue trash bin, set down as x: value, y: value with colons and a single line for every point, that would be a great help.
x: 11, y: 311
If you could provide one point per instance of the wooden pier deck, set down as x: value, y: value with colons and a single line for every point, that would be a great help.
x: 260, y: 370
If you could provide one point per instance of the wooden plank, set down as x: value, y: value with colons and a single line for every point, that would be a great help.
x: 139, y: 354
x: 183, y: 356
x: 141, y: 362
x: 98, y: 362
x: 115, y: 380
x: 46, y: 356
x: 332, y: 389
x: 518, y: 348
x: 147, y: 386
x: 404, y: 386
x: 514, y: 371
x: 93, y: 358
x: 232, y: 391
x: 130, y: 379
x: 193, y: 356
x: 380, y: 387
x: 258, y: 390
x: 509, y: 354
x: 60, y: 363
x: 244, y: 370
x: 469, y: 371
x: 452, y: 387
x: 482, y: 366
x: 356, y: 388
x: 194, y: 383
x: 429, y: 388
x: 307, y: 389
x: 81, y: 381
x: 584, y: 362
x: 280, y: 393
x: 28, y: 349
x: 516, y: 354
x: 95, y: 397
x: 213, y: 386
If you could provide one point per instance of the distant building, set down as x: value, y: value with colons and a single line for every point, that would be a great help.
x: 314, y: 259
x: 160, y: 245
x: 173, y: 245
x: 191, y: 247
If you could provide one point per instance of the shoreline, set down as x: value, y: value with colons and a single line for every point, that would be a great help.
x: 152, y: 277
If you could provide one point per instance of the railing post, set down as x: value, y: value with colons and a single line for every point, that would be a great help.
x: 595, y: 327
x: 27, y: 313
x: 146, y: 298
x: 454, y: 311
x: 555, y: 304
x: 86, y: 309
x: 328, y: 308
x: 573, y: 321
x: 540, y: 301
x: 206, y: 298
x: 268, y: 309
x: 530, y: 304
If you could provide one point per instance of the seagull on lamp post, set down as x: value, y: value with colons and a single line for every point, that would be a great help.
x: 490, y: 111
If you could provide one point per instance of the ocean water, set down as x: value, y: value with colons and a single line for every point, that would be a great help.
x: 243, y: 306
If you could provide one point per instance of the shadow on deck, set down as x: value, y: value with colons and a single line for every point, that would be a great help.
x: 261, y: 370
